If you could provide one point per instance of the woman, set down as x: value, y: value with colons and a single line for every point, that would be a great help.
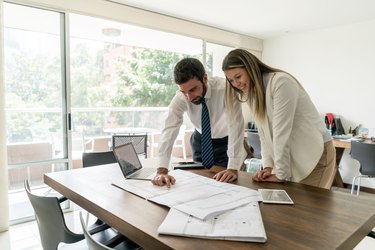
x: 294, y: 140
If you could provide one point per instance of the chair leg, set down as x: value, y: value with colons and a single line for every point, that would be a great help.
x: 359, y: 184
x: 184, y: 149
x: 353, y: 184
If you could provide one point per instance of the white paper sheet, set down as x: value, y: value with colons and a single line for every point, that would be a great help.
x: 241, y: 224
x: 193, y: 194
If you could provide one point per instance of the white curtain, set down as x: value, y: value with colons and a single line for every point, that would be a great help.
x: 4, y: 208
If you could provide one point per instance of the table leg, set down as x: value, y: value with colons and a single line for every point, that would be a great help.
x: 338, y: 182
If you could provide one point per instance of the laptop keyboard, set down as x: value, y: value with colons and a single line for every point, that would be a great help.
x: 144, y: 173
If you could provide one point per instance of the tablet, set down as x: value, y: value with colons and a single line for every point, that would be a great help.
x: 277, y: 196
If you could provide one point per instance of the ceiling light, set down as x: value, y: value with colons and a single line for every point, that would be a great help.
x: 113, y: 32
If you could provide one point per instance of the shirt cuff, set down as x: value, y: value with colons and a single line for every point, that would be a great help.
x: 237, y: 162
x: 163, y: 162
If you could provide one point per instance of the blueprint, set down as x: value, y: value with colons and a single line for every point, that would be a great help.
x: 193, y: 194
x: 241, y: 224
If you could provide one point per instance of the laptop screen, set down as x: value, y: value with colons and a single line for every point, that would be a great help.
x: 127, y: 158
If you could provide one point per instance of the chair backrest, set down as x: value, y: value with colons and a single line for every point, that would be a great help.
x: 78, y: 141
x: 50, y: 220
x: 254, y: 141
x: 139, y: 142
x: 181, y: 133
x: 90, y: 159
x: 91, y: 242
x: 117, y: 242
x: 365, y: 154
x: 57, y: 142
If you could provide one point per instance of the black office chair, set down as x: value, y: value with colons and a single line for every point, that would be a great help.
x: 53, y: 229
x: 139, y: 142
x: 118, y: 242
x: 364, y: 153
x: 90, y: 159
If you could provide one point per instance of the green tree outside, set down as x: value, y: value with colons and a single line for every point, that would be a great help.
x: 147, y: 79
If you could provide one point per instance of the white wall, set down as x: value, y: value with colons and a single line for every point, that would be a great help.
x: 336, y: 66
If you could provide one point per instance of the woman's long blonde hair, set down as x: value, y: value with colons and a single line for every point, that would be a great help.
x: 256, y: 97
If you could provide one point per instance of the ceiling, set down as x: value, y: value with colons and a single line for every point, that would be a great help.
x: 263, y: 18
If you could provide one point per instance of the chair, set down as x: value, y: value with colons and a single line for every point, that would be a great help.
x: 364, y: 153
x: 120, y: 242
x: 180, y: 140
x: 178, y: 143
x: 154, y: 142
x: 139, y: 142
x: 52, y: 227
x: 90, y: 159
x: 79, y: 144
x: 254, y: 141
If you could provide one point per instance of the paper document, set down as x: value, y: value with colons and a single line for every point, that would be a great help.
x: 241, y: 224
x: 193, y: 194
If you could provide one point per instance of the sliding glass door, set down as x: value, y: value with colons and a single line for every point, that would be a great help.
x: 35, y: 99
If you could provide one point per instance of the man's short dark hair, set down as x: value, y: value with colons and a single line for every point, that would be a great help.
x: 187, y: 69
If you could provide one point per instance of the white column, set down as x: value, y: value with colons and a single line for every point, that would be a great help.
x: 4, y: 208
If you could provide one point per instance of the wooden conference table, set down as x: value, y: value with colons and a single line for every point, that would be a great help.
x: 340, y: 147
x: 319, y: 219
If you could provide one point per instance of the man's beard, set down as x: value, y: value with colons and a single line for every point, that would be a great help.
x: 199, y: 99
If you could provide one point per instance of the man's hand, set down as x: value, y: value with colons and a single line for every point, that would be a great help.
x: 227, y: 175
x: 266, y: 175
x: 162, y: 178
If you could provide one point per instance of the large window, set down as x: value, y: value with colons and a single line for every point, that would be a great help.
x: 68, y: 89
x: 123, y: 66
x: 214, y: 58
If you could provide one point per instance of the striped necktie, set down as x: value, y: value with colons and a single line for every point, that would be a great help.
x: 207, y: 149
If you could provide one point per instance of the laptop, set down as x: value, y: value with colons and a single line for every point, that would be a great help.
x: 130, y: 164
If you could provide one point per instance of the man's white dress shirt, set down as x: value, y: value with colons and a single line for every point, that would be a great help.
x: 214, y: 97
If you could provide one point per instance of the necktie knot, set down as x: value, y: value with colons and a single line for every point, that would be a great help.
x: 203, y: 101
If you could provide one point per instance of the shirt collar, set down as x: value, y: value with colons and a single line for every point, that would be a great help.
x: 208, y: 91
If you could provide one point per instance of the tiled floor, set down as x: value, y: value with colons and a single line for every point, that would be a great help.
x: 25, y: 236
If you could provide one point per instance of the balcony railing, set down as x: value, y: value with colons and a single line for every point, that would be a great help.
x: 32, y: 156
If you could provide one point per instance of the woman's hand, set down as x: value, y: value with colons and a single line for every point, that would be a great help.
x: 163, y: 178
x: 227, y: 175
x: 266, y: 175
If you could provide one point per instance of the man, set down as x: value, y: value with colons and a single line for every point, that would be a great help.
x: 194, y: 89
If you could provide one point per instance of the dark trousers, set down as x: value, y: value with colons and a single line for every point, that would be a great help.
x: 220, y: 147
